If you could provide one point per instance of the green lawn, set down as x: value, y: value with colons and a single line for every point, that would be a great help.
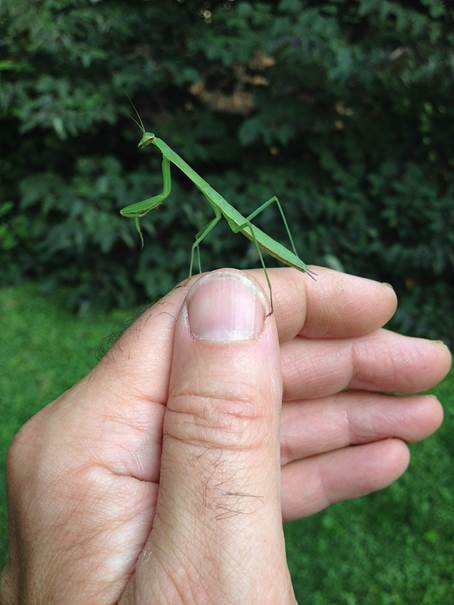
x: 396, y: 547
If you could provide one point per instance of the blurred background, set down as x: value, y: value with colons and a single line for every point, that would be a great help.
x: 343, y: 108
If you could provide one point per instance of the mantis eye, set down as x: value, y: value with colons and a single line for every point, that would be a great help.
x: 146, y: 139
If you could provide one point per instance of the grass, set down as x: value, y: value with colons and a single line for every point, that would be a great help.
x: 391, y: 548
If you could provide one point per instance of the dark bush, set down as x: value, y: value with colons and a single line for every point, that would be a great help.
x: 344, y: 109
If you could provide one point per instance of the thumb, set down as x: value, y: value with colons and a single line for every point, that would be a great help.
x: 218, y: 523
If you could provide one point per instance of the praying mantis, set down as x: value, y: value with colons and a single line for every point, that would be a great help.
x: 221, y: 208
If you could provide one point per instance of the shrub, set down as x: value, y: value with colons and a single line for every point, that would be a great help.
x: 342, y: 109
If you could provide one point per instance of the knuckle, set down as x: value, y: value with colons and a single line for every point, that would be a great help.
x: 236, y: 421
x: 28, y: 458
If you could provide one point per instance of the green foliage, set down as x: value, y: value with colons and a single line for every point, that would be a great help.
x: 343, y: 109
x: 390, y: 548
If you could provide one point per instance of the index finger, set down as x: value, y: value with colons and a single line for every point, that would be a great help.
x: 337, y: 305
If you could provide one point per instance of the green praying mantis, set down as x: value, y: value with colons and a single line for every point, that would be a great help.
x: 221, y: 208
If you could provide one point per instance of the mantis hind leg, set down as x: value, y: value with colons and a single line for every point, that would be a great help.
x: 249, y: 225
x: 264, y: 268
x: 274, y: 200
x: 261, y: 208
x: 201, y: 235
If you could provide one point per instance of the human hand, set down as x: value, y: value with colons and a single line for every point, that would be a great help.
x: 157, y: 477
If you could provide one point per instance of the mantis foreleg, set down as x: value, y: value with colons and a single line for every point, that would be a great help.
x: 140, y: 209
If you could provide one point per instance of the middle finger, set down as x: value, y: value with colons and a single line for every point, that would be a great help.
x: 309, y: 428
x: 380, y: 361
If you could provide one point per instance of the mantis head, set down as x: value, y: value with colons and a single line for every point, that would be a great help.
x: 146, y: 139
